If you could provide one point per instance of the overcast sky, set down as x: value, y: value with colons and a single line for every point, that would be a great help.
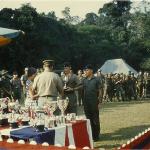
x: 77, y: 7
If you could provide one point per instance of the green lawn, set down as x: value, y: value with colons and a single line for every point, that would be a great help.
x: 120, y: 121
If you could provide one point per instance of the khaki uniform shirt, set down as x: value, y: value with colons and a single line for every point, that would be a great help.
x: 48, y: 84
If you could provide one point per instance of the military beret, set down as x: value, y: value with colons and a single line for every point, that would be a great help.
x: 89, y: 66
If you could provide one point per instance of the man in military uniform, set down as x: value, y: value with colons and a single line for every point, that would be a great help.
x: 48, y: 84
x: 140, y: 84
x: 91, y: 100
x: 16, y: 86
x: 102, y: 80
x: 71, y: 83
x: 5, y: 87
x: 23, y: 79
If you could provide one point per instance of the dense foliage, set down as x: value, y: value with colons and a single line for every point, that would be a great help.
x: 114, y: 33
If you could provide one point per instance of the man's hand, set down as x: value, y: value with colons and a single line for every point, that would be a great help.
x: 100, y: 102
x: 69, y: 89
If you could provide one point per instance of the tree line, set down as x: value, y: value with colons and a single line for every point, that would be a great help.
x: 118, y: 31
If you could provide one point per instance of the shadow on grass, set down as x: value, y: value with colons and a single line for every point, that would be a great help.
x: 108, y: 107
x: 121, y: 134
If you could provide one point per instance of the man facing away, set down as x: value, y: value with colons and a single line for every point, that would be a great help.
x: 48, y: 84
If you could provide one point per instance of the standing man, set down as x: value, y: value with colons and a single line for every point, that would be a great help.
x: 102, y: 80
x: 23, y: 79
x: 91, y: 100
x: 71, y: 83
x: 48, y: 84
x: 16, y: 86
x: 140, y: 84
x: 31, y: 100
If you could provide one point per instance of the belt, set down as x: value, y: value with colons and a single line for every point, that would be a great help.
x: 47, y: 96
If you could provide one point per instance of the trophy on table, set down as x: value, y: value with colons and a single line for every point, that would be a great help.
x: 52, y: 107
x: 62, y: 104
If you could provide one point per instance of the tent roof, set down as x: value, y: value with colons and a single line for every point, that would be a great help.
x: 6, y: 35
x: 117, y: 66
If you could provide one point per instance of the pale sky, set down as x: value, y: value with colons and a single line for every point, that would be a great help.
x: 77, y: 7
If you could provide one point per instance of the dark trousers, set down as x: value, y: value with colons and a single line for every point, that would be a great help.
x: 72, y: 105
x: 80, y: 96
x: 93, y: 115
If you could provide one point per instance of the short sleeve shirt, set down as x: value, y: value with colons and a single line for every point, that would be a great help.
x: 48, y: 83
x: 91, y: 88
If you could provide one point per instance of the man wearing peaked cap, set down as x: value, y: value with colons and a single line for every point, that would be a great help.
x: 47, y: 84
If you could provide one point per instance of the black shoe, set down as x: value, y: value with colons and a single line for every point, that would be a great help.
x: 96, y: 139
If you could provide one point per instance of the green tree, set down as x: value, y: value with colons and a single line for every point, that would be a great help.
x: 68, y: 19
x: 90, y: 19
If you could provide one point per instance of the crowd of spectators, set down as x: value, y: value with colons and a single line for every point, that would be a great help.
x: 114, y: 87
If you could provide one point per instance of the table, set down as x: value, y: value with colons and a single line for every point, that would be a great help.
x: 76, y: 133
x: 15, y: 146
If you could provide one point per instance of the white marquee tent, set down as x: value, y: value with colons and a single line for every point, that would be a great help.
x: 117, y: 66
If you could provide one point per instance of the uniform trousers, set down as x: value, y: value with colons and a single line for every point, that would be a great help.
x: 92, y: 113
x: 43, y: 100
x: 30, y: 103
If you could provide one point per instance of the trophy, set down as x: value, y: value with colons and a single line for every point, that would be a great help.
x: 52, y: 106
x: 65, y: 82
x: 62, y: 104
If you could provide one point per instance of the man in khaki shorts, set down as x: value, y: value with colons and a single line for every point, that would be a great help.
x: 48, y: 85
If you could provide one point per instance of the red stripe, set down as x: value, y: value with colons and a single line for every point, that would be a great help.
x: 138, y: 141
x: 80, y: 133
x: 66, y: 138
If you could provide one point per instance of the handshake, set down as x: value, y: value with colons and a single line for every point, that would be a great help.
x: 68, y: 89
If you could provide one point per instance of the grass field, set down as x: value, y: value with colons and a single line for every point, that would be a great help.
x: 120, y: 121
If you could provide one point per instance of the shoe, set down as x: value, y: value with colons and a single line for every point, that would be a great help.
x: 96, y: 139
